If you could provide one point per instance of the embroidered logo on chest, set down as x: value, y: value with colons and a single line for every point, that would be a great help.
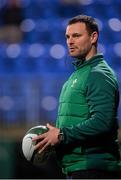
x: 74, y: 82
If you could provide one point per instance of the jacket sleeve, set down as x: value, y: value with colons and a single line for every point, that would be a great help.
x: 101, y: 93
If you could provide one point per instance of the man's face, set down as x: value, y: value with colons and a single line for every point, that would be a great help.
x: 79, y: 41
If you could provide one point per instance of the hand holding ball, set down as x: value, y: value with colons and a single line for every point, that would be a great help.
x: 28, y: 146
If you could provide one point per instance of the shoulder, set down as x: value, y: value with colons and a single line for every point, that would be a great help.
x: 103, y: 70
x: 102, y: 75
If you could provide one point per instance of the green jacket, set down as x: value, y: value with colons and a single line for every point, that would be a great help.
x: 87, y: 117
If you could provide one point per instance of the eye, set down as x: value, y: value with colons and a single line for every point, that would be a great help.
x: 67, y: 36
x: 76, y: 35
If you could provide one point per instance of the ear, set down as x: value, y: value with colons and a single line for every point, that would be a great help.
x: 94, y: 37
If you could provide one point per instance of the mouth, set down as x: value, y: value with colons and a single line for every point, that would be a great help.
x: 71, y: 49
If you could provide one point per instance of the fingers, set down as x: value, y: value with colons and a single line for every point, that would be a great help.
x: 46, y: 139
x: 49, y: 126
x: 41, y: 141
x: 40, y: 144
x: 44, y: 147
x: 39, y: 137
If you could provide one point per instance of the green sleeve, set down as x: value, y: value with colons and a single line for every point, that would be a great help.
x: 101, y: 92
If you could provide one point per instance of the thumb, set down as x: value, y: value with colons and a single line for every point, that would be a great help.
x: 49, y: 126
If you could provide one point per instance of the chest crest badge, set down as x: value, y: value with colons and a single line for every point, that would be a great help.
x: 74, y: 82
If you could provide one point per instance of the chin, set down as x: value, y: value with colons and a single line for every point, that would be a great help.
x: 77, y: 56
x: 74, y: 55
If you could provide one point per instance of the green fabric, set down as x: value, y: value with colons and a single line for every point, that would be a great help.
x: 87, y: 117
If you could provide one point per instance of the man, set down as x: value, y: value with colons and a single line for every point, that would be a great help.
x: 86, y: 127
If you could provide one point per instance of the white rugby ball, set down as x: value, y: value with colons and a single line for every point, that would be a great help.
x: 28, y: 146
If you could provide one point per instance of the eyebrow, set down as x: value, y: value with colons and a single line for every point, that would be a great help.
x: 66, y: 35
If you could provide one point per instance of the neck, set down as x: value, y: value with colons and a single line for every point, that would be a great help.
x: 91, y: 53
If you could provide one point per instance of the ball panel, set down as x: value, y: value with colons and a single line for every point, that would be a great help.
x: 38, y: 130
x: 43, y: 157
x: 28, y: 146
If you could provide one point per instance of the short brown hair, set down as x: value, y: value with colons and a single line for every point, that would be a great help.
x: 89, y: 21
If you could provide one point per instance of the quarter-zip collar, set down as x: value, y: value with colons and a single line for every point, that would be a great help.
x: 78, y: 63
